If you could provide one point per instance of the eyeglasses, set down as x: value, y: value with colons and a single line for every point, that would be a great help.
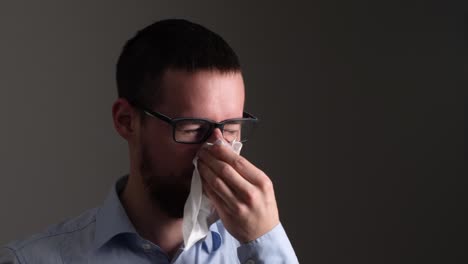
x: 198, y: 130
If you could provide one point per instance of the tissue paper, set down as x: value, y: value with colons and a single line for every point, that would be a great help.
x: 199, y: 213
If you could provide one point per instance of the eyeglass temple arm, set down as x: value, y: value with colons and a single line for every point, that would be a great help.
x: 249, y: 115
x: 158, y: 115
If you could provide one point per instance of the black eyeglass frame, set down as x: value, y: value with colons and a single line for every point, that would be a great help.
x: 213, y: 125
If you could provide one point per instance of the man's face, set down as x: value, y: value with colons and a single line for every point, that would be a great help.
x: 165, y: 165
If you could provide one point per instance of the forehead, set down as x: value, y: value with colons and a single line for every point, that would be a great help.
x: 205, y: 94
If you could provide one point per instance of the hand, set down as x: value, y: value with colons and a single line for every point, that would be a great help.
x: 241, y: 193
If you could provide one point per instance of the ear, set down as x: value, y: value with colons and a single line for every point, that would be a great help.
x: 125, y: 118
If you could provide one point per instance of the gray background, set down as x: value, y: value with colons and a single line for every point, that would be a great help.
x: 362, y: 106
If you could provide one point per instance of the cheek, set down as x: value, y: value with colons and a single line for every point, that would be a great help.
x: 183, y: 154
x: 170, y: 156
x: 167, y: 155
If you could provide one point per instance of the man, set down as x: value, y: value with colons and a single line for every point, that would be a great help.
x: 179, y: 85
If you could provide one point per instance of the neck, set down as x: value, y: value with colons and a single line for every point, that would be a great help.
x: 149, y: 220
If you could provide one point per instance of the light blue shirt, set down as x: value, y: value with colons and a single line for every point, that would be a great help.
x: 106, y: 235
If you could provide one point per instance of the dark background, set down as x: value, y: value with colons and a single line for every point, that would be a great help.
x: 362, y: 108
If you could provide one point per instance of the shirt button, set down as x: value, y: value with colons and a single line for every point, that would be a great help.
x: 250, y: 262
x: 146, y: 246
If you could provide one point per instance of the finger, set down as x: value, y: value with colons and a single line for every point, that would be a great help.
x: 240, y: 164
x: 218, y: 203
x: 217, y: 185
x: 228, y: 174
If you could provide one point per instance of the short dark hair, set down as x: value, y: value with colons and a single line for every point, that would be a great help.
x: 169, y: 44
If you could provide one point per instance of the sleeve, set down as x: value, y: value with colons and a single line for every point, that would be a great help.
x: 8, y: 256
x: 272, y: 247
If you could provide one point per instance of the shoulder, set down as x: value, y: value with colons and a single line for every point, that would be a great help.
x: 52, y: 242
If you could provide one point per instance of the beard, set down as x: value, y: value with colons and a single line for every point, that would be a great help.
x: 168, y: 192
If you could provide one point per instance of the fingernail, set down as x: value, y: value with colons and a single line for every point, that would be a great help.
x: 207, y: 145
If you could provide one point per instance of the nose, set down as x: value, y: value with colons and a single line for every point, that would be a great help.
x: 217, y: 134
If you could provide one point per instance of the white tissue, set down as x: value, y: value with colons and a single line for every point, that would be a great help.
x: 199, y: 214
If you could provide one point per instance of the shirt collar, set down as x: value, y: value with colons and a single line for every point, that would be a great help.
x: 111, y: 218
x: 212, y: 240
